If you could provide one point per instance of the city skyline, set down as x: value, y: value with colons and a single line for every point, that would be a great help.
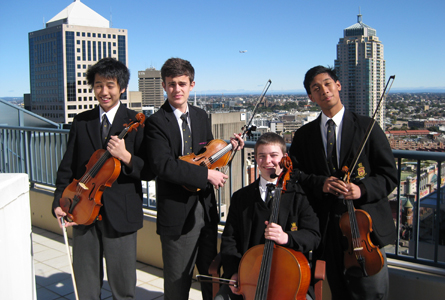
x: 281, y: 38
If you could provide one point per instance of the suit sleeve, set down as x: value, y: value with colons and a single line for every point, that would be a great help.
x: 383, y: 172
x: 137, y: 156
x: 306, y: 236
x: 312, y: 183
x: 67, y: 167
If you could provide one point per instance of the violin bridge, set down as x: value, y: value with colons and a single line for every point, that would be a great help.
x: 358, y: 249
x: 82, y: 185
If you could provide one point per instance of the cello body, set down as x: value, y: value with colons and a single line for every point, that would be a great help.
x: 82, y: 199
x: 290, y: 274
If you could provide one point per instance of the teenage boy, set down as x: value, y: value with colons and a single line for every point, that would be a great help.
x: 114, y: 235
x: 247, y: 222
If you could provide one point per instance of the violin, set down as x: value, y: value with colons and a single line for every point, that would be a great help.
x: 216, y: 155
x: 82, y: 199
x: 356, y: 224
x: 272, y: 272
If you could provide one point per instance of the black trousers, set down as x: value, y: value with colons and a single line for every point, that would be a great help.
x: 181, y: 253
x: 93, y: 243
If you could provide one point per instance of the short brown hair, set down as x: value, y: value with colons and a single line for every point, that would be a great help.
x: 270, y: 138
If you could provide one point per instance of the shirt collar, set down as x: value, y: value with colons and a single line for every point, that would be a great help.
x: 110, y: 114
x: 337, y: 118
x: 179, y: 113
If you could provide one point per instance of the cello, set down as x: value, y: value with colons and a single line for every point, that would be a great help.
x: 82, y: 198
x: 269, y: 271
x: 272, y: 272
x: 356, y: 224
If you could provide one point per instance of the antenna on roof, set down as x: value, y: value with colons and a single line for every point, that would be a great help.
x: 111, y: 18
x: 359, y: 16
x: 43, y: 22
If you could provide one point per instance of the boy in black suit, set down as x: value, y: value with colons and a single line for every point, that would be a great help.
x: 339, y: 132
x: 247, y: 222
x: 186, y: 221
x: 114, y: 236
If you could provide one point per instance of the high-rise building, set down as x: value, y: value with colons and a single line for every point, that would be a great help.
x: 59, y: 56
x: 150, y: 84
x: 361, y: 70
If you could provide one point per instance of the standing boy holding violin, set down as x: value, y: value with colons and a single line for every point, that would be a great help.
x: 186, y: 221
x: 340, y: 132
x: 112, y: 236
x: 247, y: 221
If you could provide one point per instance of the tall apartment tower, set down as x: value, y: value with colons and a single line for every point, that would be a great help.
x: 60, y: 55
x: 361, y: 70
x: 150, y: 84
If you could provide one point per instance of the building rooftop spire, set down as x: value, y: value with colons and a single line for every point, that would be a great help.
x: 359, y: 28
x: 78, y: 13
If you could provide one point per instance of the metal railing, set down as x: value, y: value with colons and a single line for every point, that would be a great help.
x: 38, y: 152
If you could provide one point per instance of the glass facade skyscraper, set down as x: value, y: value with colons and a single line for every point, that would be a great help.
x: 360, y: 66
x: 60, y: 55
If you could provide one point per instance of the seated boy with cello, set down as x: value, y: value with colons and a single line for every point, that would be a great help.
x: 247, y: 222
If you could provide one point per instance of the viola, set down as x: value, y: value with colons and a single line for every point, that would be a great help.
x: 82, y: 199
x: 272, y: 272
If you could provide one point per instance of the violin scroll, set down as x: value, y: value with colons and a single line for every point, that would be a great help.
x: 140, y: 117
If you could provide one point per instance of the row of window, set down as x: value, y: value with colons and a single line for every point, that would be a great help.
x: 84, y: 90
x: 74, y: 107
x: 99, y: 35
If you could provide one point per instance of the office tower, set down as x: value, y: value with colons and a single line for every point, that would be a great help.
x: 60, y: 55
x: 150, y: 84
x: 361, y: 70
x: 223, y: 126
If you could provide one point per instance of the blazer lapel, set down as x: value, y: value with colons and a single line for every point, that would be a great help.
x: 318, y: 148
x: 196, y: 123
x: 93, y: 129
x: 120, y: 119
x: 173, y: 128
x: 248, y: 213
x: 347, y: 136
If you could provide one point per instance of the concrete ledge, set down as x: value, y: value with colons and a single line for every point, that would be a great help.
x: 17, y: 280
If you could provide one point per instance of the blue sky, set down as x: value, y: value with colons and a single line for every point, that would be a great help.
x: 283, y: 39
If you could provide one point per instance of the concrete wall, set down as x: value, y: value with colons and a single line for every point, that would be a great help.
x: 17, y: 279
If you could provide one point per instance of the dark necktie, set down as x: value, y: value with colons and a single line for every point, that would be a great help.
x: 269, y: 195
x: 186, y: 135
x: 105, y: 129
x: 331, y: 148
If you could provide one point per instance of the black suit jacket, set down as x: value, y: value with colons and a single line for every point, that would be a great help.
x: 296, y: 217
x: 122, y: 202
x: 375, y: 169
x: 164, y: 144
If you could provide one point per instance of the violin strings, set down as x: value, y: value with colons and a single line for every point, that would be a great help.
x: 355, y: 234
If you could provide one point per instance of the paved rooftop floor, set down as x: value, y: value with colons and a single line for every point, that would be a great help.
x: 53, y: 273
